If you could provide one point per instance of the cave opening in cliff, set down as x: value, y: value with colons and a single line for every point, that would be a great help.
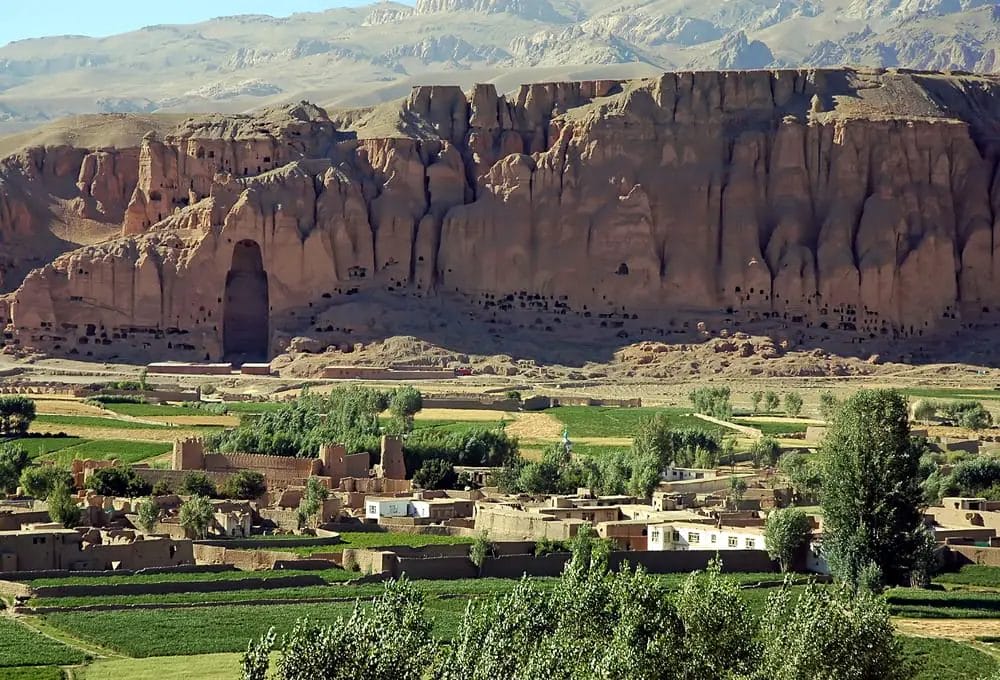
x: 246, y: 326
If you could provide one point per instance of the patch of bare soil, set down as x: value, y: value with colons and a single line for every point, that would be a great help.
x: 951, y: 629
x: 67, y: 407
x: 471, y: 415
x: 214, y: 421
x: 168, y: 435
x: 535, y: 427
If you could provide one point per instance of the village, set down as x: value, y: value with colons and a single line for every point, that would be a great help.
x: 201, y: 530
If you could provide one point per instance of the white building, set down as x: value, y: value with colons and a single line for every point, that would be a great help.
x: 377, y: 508
x: 679, y: 536
x: 679, y: 474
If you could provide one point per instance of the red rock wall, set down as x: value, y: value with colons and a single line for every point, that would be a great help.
x: 827, y: 200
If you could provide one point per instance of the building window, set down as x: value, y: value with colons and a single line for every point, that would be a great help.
x: 693, y: 537
x: 655, y: 535
x: 732, y: 542
x: 751, y: 543
x: 714, y: 537
x: 677, y: 537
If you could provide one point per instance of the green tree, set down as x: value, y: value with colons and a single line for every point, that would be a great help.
x: 16, y: 415
x: 924, y: 410
x: 197, y: 516
x: 147, y: 513
x: 786, y: 533
x: 13, y: 460
x: 480, y: 549
x: 793, y: 404
x: 805, y: 475
x: 198, y: 484
x: 757, y: 397
x: 765, y: 452
x: 771, y: 401
x: 404, y: 403
x: 163, y: 487
x: 389, y: 639
x: 39, y: 481
x: 312, y: 500
x: 62, y: 507
x: 718, y: 626
x: 118, y: 480
x: 871, y: 494
x: 436, y: 474
x: 829, y: 633
x: 828, y: 405
x: 245, y: 485
x: 737, y: 489
x: 713, y: 401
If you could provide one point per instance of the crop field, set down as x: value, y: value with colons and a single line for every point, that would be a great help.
x: 32, y: 673
x: 376, y: 539
x: 21, y: 646
x: 40, y: 446
x: 946, y: 393
x: 952, y: 604
x: 773, y: 428
x: 95, y: 422
x: 592, y: 421
x: 329, y: 575
x: 934, y: 659
x: 108, y: 449
x: 154, y: 410
x: 210, y: 667
x: 210, y: 630
x: 971, y: 575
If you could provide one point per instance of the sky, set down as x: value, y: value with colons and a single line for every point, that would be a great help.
x: 19, y: 19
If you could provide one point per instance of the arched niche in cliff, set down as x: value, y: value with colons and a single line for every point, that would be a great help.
x: 246, y: 326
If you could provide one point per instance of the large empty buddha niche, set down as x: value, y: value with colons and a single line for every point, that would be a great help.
x: 246, y: 326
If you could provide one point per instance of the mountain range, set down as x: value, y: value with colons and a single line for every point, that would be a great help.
x: 355, y: 57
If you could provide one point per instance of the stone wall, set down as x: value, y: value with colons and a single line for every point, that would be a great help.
x: 245, y: 560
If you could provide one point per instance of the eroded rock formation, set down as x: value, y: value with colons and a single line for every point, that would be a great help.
x: 860, y: 203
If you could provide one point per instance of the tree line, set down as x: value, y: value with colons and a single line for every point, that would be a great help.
x: 595, y: 623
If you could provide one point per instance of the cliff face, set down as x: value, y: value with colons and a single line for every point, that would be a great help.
x: 862, y: 204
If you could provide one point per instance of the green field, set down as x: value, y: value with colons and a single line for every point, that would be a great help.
x: 33, y: 673
x: 972, y: 575
x: 40, y: 446
x: 252, y: 406
x: 593, y: 421
x: 936, y: 604
x: 95, y: 421
x: 377, y: 539
x: 21, y: 646
x: 108, y: 449
x: 155, y: 410
x: 950, y: 393
x: 210, y: 667
x: 774, y: 429
x: 329, y: 575
x: 211, y: 630
x: 934, y: 659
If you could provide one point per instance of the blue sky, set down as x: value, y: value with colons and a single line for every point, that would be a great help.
x: 19, y: 19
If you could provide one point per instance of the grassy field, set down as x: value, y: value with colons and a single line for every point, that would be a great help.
x: 108, y: 449
x: 94, y: 421
x: 936, y: 604
x: 950, y: 393
x: 591, y: 421
x: 972, y: 575
x: 773, y: 429
x: 329, y: 575
x: 210, y: 667
x: 21, y: 646
x: 211, y: 630
x: 40, y: 446
x: 375, y: 539
x: 155, y: 410
x: 934, y: 659
x: 34, y: 673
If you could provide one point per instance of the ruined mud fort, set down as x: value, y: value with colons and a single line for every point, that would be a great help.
x: 857, y: 202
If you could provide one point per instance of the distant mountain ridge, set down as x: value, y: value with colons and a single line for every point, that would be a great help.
x: 349, y: 57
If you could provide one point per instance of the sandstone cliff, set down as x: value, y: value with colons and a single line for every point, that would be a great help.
x: 822, y: 204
